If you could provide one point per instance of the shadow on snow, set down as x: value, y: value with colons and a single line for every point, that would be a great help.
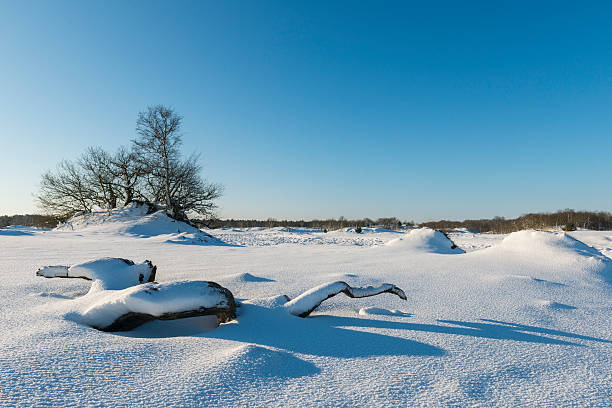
x: 325, y: 335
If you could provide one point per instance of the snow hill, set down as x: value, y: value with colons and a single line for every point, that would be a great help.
x: 137, y: 220
x: 133, y: 219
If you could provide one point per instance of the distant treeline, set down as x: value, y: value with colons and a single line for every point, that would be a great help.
x: 328, y: 224
x: 29, y: 220
x: 566, y: 219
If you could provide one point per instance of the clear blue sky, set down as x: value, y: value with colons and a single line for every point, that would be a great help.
x: 303, y: 109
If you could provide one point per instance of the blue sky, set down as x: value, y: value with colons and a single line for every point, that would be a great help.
x: 324, y: 109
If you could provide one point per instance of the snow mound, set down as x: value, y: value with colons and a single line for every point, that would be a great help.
x: 253, y: 362
x: 139, y: 220
x: 247, y: 277
x: 555, y: 251
x: 557, y: 246
x: 426, y: 240
x: 541, y: 242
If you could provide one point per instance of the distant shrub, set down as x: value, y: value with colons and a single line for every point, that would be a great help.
x: 570, y: 226
x: 325, y: 230
x: 358, y: 230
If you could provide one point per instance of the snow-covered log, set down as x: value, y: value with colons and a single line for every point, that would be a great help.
x: 122, y: 310
x: 124, y: 295
x: 111, y: 273
x: 308, y: 301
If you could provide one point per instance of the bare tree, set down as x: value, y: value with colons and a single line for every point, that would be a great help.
x: 153, y: 171
x: 157, y: 149
x: 127, y: 173
x: 190, y: 192
x: 168, y: 178
x: 65, y: 191
x: 96, y: 165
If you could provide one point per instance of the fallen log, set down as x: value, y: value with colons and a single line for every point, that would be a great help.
x: 124, y: 295
x: 129, y: 308
x: 308, y: 301
x: 111, y: 273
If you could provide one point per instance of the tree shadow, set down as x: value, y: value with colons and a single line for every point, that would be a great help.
x: 492, y: 329
x: 312, y: 336
x: 315, y: 336
x: 335, y: 336
x: 542, y: 330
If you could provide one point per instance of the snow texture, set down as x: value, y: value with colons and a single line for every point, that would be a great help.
x: 519, y: 320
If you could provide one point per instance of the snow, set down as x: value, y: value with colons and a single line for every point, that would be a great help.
x: 305, y: 303
x: 258, y: 236
x: 133, y: 220
x: 469, y: 241
x: 111, y: 273
x: 104, y: 307
x: 599, y: 240
x: 518, y: 320
x: 425, y: 240
x: 364, y: 311
x: 19, y: 230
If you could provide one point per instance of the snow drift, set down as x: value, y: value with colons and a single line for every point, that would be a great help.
x: 549, y: 243
x: 426, y: 240
x: 135, y: 219
x: 556, y: 252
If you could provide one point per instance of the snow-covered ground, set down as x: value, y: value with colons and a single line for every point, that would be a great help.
x: 469, y: 241
x: 518, y: 320
x: 600, y: 240
x: 304, y: 236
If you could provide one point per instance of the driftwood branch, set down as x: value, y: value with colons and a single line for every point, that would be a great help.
x: 308, y: 301
x: 112, y: 273
x: 125, y: 296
